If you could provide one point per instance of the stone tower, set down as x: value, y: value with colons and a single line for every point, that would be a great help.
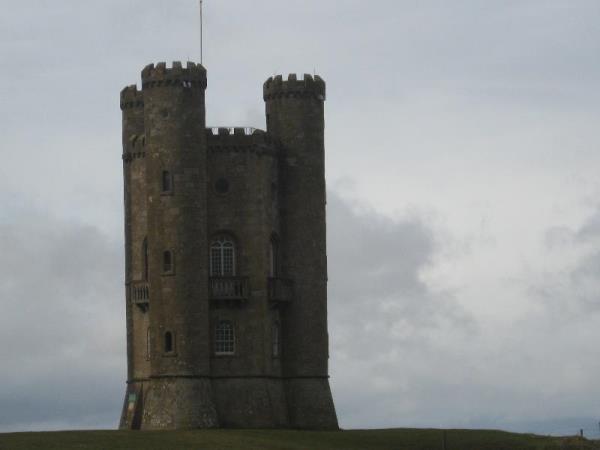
x: 226, y: 267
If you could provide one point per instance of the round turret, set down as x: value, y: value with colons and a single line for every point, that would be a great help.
x: 176, y: 178
x: 132, y: 107
x: 131, y: 98
x: 309, y: 87
x: 295, y: 117
x: 193, y: 75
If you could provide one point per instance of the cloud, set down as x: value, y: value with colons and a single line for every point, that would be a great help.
x: 388, y: 327
x: 62, y: 323
x: 376, y: 272
x: 572, y: 289
x: 405, y: 353
x: 485, y: 113
x: 63, y: 315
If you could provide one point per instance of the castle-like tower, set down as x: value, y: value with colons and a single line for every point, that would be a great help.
x: 226, y: 267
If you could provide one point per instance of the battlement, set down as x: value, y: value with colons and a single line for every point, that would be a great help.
x: 137, y: 142
x: 233, y: 131
x: 136, y: 148
x: 240, y: 139
x: 193, y: 75
x: 131, y: 98
x: 309, y: 87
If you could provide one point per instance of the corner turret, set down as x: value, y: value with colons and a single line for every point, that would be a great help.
x: 131, y: 98
x: 295, y: 117
x: 307, y: 87
x: 193, y: 75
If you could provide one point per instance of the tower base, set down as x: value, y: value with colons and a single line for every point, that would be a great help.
x: 229, y: 402
x: 252, y: 402
x: 310, y: 404
x: 169, y: 404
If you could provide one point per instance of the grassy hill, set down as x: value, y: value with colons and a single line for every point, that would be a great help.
x: 392, y: 439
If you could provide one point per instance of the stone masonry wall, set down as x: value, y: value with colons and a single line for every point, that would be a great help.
x: 264, y: 190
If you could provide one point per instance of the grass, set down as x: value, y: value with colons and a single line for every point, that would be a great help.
x: 390, y: 439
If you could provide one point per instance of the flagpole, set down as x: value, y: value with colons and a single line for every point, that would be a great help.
x: 201, y: 33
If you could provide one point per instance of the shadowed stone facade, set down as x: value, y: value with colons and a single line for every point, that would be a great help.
x: 226, y: 268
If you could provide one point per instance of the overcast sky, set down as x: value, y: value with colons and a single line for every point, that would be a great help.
x: 464, y: 198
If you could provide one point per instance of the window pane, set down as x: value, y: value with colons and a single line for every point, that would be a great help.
x: 228, y: 262
x: 215, y: 261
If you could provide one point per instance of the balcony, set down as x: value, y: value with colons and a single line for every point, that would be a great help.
x: 228, y: 289
x: 281, y: 291
x: 140, y: 294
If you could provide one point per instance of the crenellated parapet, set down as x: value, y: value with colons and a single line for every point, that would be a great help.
x: 136, y: 148
x: 131, y: 98
x: 239, y: 139
x: 191, y: 76
x: 309, y: 87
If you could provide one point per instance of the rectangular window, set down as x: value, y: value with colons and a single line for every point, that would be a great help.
x: 167, y: 261
x: 167, y: 181
x: 224, y: 338
x: 276, y: 340
x: 169, y: 342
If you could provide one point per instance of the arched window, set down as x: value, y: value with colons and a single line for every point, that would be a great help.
x: 274, y: 257
x: 168, y: 342
x: 167, y: 181
x: 167, y: 261
x: 222, y: 257
x: 275, y: 339
x: 145, y: 259
x: 224, y: 338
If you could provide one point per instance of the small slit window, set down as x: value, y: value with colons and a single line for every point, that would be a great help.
x: 168, y: 342
x: 167, y: 181
x: 224, y: 338
x: 145, y: 259
x: 275, y: 338
x: 168, y: 261
x: 274, y: 258
x: 148, y: 344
